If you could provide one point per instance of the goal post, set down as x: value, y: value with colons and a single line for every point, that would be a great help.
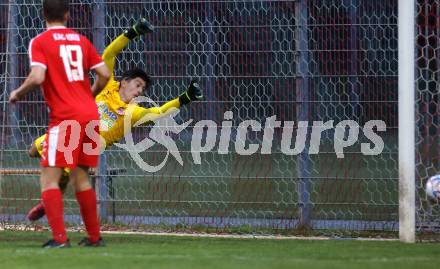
x: 406, y: 44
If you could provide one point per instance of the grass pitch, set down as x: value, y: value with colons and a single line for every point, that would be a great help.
x: 22, y: 250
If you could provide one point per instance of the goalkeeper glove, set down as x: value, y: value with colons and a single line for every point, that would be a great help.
x: 193, y: 93
x: 140, y: 28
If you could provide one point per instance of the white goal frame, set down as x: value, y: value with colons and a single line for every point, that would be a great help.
x: 407, y: 193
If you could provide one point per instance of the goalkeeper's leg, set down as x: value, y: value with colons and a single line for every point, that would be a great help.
x: 37, y: 212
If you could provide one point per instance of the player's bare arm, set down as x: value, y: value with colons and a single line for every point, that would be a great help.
x: 32, y: 82
x: 102, y: 76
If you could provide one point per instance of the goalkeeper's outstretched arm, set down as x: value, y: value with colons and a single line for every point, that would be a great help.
x: 193, y: 93
x: 119, y: 43
x: 112, y: 50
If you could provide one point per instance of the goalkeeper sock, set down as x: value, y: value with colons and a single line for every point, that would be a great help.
x: 87, y: 205
x: 53, y: 205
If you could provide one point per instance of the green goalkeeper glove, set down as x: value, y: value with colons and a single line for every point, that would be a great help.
x: 140, y: 28
x: 193, y: 93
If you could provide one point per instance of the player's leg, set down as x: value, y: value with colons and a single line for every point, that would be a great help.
x: 35, y: 151
x: 52, y: 162
x: 37, y: 212
x: 85, y: 195
x: 53, y: 204
x: 80, y: 178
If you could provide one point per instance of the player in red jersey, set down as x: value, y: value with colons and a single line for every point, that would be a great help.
x: 60, y: 62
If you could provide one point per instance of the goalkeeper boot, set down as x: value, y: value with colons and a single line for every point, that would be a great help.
x: 140, y: 28
x: 87, y: 243
x: 54, y: 244
x: 37, y: 212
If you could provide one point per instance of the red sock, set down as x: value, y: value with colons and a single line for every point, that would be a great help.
x: 53, y: 205
x: 87, y: 205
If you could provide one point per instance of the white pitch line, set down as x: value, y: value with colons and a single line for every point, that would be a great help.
x: 248, y: 236
x: 204, y: 235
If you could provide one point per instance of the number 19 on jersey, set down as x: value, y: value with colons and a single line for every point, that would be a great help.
x: 72, y: 59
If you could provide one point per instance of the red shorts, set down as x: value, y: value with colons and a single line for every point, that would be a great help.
x: 70, y: 143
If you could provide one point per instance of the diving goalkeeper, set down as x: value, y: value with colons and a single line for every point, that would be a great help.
x: 114, y: 100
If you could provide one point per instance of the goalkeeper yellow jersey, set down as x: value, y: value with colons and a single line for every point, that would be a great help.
x: 112, y: 109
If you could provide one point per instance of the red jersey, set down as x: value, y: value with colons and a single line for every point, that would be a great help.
x: 67, y: 57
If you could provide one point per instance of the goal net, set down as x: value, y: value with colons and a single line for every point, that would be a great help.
x: 313, y: 65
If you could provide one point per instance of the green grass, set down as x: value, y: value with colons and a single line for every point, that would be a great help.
x: 22, y: 250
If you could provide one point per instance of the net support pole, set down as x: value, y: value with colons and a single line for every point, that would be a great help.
x: 406, y: 44
x: 302, y: 113
x: 208, y: 50
x: 13, y: 82
x: 10, y: 83
x: 354, y: 58
x: 101, y: 186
